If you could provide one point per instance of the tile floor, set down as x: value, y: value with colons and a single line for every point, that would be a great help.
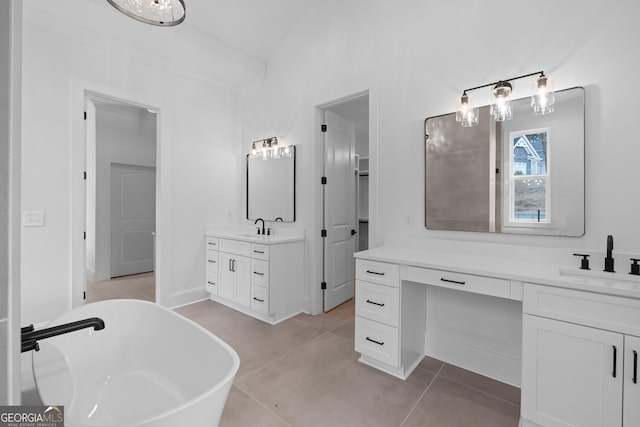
x: 136, y: 286
x: 305, y: 372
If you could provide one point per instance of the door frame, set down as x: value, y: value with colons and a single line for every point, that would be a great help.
x: 82, y: 91
x: 318, y: 261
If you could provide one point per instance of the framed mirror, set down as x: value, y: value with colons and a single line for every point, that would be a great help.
x: 524, y: 175
x: 271, y: 187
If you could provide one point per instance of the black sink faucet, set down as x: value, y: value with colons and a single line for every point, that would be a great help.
x: 608, y: 261
x: 30, y: 337
x: 260, y: 219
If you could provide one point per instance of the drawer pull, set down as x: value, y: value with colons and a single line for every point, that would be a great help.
x: 211, y: 243
x: 375, y: 342
x: 257, y: 252
x: 375, y: 303
x: 211, y: 283
x: 211, y: 261
x: 258, y: 299
x: 635, y: 367
x: 375, y: 272
x: 615, y: 360
x: 259, y: 274
x: 457, y: 282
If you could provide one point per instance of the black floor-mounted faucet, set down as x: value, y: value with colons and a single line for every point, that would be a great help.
x: 30, y: 337
x: 260, y: 219
x: 608, y: 261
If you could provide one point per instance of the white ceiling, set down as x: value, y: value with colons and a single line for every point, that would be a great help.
x: 255, y: 27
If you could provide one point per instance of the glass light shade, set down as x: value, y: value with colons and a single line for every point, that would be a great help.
x: 164, y: 13
x: 543, y: 98
x: 466, y: 114
x: 253, y: 149
x: 501, y: 107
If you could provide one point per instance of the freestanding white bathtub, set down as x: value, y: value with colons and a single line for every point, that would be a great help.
x: 149, y: 366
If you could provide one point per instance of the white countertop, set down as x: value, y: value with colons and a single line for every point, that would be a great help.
x: 511, y: 269
x: 245, y: 236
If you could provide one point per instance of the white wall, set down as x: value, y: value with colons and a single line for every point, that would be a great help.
x: 10, y: 65
x: 125, y: 136
x: 73, y: 45
x: 416, y: 57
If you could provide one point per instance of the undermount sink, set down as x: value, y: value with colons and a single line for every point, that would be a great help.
x: 600, y: 275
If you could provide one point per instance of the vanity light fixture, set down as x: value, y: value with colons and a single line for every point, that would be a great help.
x: 164, y: 13
x: 542, y: 100
x: 466, y: 113
x: 271, y: 149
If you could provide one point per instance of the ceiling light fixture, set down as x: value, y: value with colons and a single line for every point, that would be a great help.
x: 164, y: 13
x: 542, y: 100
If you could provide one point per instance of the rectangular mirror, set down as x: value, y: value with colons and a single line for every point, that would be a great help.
x: 271, y: 187
x: 524, y: 175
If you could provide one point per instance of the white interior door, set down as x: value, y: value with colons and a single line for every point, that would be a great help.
x: 133, y: 219
x: 339, y: 210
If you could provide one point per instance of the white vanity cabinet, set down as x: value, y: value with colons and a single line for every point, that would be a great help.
x: 235, y: 278
x: 579, y: 364
x: 211, y: 261
x: 261, y: 278
x: 377, y: 312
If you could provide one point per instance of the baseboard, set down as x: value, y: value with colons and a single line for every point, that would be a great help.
x: 500, y: 367
x: 188, y: 296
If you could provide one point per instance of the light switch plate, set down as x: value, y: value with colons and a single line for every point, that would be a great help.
x: 33, y: 219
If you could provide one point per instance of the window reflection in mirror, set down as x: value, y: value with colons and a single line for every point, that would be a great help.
x: 524, y: 175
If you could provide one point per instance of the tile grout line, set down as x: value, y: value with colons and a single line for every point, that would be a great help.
x: 422, y: 395
x: 261, y: 404
x: 481, y: 391
x: 282, y: 355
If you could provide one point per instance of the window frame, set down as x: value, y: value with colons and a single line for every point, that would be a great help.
x: 512, y: 178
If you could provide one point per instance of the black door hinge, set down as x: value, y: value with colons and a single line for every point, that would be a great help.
x: 323, y: 127
x: 323, y: 285
x: 85, y: 175
x: 85, y: 115
x: 84, y: 295
x: 323, y: 180
x: 323, y: 233
x: 84, y: 235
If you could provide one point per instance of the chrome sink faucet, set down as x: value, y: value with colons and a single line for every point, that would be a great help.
x: 260, y: 232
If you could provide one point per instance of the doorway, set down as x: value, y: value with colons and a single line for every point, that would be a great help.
x: 121, y: 200
x: 345, y: 195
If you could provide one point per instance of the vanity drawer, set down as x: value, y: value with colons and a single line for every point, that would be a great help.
x: 260, y: 300
x: 260, y: 273
x: 211, y: 285
x: 236, y: 247
x: 212, y: 261
x: 378, y: 272
x: 585, y: 308
x: 378, y: 302
x: 260, y: 251
x: 212, y: 243
x: 377, y: 341
x: 460, y: 281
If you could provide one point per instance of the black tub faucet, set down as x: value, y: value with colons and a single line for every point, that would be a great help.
x: 260, y: 219
x: 30, y: 337
x: 608, y: 261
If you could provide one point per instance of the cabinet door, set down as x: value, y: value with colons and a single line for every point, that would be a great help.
x: 226, y: 278
x: 571, y: 374
x: 631, y: 382
x: 242, y: 269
